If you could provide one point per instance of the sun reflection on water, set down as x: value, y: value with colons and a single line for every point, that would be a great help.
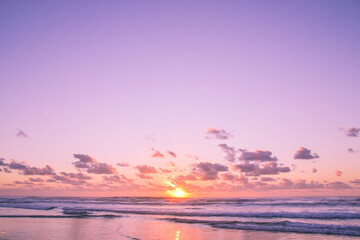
x: 177, y: 235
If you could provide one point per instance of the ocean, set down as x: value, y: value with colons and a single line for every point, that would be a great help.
x: 193, y: 218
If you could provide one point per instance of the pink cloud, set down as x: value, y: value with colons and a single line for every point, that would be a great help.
x: 164, y: 170
x: 229, y: 151
x: 258, y: 155
x: 92, y: 166
x: 123, y: 164
x: 145, y: 169
x: 208, y: 171
x: 80, y: 176
x: 171, y: 153
x: 305, y: 154
x: 254, y: 169
x: 16, y: 165
x: 36, y: 179
x: 356, y: 181
x: 47, y: 170
x: 267, y: 179
x: 117, y: 179
x: 101, y: 168
x: 338, y: 185
x: 21, y: 134
x: 338, y: 173
x: 157, y: 154
x: 143, y: 176
x: 234, y: 178
x: 215, y: 133
x: 193, y: 157
x: 351, y: 131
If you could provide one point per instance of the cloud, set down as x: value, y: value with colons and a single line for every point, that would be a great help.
x: 68, y: 180
x: 171, y: 153
x: 193, y: 157
x: 305, y: 154
x: 101, y: 168
x: 229, y: 151
x: 267, y: 179
x: 338, y: 173
x: 284, y: 184
x: 351, y: 131
x: 164, y: 170
x: 80, y: 176
x: 258, y: 155
x: 21, y: 134
x: 157, y: 154
x: 47, y: 170
x: 85, y: 158
x: 181, y: 179
x: 234, y: 178
x: 92, y: 166
x: 338, y: 185
x: 351, y: 150
x: 84, y: 161
x: 253, y: 163
x: 219, y: 134
x: 117, y: 179
x: 16, y: 165
x: 26, y: 169
x: 26, y: 182
x: 36, y: 180
x: 356, y: 181
x: 145, y: 169
x: 143, y: 176
x: 300, y: 184
x: 228, y: 176
x: 171, y: 164
x: 208, y: 171
x: 314, y: 170
x: 269, y: 168
x: 123, y: 164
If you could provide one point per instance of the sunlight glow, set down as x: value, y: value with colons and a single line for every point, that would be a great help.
x: 177, y: 192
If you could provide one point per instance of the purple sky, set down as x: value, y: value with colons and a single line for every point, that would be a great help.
x: 120, y: 80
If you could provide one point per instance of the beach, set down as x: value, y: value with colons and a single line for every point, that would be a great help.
x: 132, y: 228
x: 158, y: 218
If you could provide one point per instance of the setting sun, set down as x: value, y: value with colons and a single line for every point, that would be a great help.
x: 177, y: 192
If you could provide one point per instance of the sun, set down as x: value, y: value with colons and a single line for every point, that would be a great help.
x: 177, y: 193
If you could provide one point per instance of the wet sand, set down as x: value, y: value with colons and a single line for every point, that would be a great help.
x: 132, y: 227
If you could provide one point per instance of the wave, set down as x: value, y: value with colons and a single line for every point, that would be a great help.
x: 281, y: 226
x: 197, y: 212
x: 62, y: 216
x: 33, y: 207
x: 302, y: 215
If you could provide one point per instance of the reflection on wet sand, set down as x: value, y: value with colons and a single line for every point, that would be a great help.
x: 177, y: 236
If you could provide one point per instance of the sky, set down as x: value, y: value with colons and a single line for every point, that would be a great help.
x: 216, y: 98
